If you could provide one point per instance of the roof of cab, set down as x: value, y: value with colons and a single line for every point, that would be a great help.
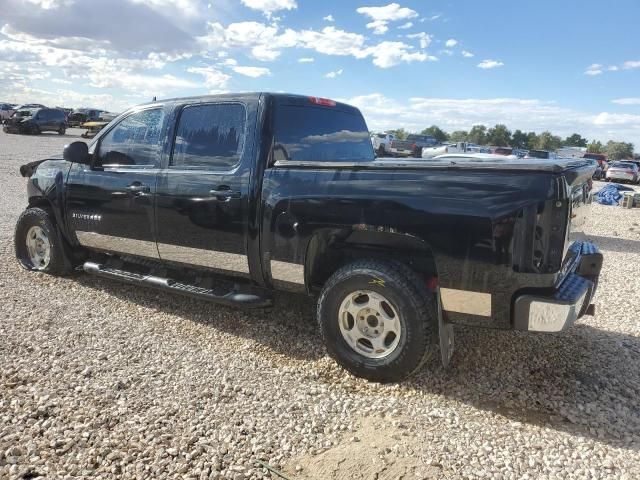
x: 288, y: 98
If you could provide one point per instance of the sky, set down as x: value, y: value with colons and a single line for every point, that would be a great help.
x: 560, y: 65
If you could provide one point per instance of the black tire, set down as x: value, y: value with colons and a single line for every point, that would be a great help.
x: 62, y: 130
x: 381, y: 152
x: 405, y: 290
x: 59, y: 263
x: 417, y: 153
x: 35, y: 130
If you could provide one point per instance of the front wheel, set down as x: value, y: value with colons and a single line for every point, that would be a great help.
x: 38, y: 245
x: 381, y: 152
x: 377, y: 320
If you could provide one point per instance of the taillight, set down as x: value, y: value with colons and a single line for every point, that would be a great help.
x: 322, y: 101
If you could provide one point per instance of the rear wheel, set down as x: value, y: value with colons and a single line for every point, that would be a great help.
x: 38, y: 245
x: 62, y: 129
x: 381, y: 152
x: 377, y: 320
x: 35, y: 130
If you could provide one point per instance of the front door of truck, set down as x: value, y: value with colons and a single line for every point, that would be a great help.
x: 202, y: 195
x: 110, y: 203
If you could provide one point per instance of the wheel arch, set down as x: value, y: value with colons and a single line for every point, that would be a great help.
x: 329, y: 250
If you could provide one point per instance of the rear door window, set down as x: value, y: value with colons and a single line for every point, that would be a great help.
x: 133, y: 141
x: 210, y: 136
x: 310, y: 133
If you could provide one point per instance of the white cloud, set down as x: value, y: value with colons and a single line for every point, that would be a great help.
x: 382, y: 113
x: 268, y: 7
x: 306, y: 60
x: 612, y: 68
x: 334, y: 74
x: 626, y: 101
x: 425, y: 38
x: 631, y: 64
x: 50, y: 4
x: 381, y: 16
x: 593, y: 69
x: 379, y: 27
x: 452, y: 42
x: 389, y: 54
x: 488, y: 64
x: 468, y: 54
x: 253, y: 72
x: 329, y: 18
x: 405, y: 26
x: 213, y: 78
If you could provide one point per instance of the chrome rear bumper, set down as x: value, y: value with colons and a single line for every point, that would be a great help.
x: 558, y: 310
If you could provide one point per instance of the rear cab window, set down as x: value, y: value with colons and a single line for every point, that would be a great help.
x: 308, y: 132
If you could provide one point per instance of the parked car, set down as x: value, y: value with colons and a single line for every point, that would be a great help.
x: 36, y: 120
x: 6, y: 110
x: 542, y: 154
x: 26, y: 106
x: 506, y: 151
x: 84, y: 115
x: 460, y: 147
x: 603, y: 165
x: 281, y: 191
x: 418, y: 142
x: 623, y: 171
x: 387, y: 145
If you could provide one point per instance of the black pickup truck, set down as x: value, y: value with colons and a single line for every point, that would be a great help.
x: 229, y: 197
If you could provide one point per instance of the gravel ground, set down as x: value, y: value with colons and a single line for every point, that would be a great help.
x: 98, y: 380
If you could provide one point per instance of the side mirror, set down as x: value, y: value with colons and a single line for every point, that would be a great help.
x: 76, y: 152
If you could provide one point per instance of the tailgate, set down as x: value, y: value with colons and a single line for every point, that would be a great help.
x: 579, y: 192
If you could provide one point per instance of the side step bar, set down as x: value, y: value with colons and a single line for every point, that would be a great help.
x: 249, y: 298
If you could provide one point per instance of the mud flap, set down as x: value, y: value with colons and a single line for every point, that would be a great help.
x: 445, y: 332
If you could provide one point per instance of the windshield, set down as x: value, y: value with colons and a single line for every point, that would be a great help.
x: 23, y: 113
x: 622, y: 164
x: 320, y: 134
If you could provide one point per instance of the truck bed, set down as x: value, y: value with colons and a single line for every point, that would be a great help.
x: 456, y: 163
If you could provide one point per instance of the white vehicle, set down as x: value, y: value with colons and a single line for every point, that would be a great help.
x: 387, y: 145
x: 6, y: 110
x: 460, y: 147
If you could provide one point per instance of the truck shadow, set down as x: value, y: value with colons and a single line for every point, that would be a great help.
x: 585, y: 381
x: 616, y: 244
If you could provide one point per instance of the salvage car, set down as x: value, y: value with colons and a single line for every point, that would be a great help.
x: 36, y: 120
x: 277, y: 191
x: 623, y: 172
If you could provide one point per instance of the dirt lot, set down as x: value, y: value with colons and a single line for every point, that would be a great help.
x: 98, y: 380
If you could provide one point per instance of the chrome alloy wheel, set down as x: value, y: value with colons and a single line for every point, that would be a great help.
x: 38, y: 248
x: 369, y: 324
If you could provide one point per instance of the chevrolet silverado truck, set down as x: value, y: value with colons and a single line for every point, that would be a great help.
x: 228, y: 198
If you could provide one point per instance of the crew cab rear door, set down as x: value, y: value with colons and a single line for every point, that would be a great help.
x: 202, y: 195
x: 110, y: 203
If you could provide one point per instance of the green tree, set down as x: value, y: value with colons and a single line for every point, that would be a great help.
x: 619, y: 150
x: 595, y: 147
x: 436, y: 132
x: 478, y: 134
x: 547, y: 141
x: 500, y: 136
x: 575, y: 140
x: 532, y: 140
x: 399, y: 133
x: 459, y: 136
x: 518, y: 139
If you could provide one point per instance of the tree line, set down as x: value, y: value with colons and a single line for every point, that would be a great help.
x: 500, y: 136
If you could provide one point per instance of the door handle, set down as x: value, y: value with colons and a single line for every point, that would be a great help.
x: 223, y: 192
x: 138, y: 188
